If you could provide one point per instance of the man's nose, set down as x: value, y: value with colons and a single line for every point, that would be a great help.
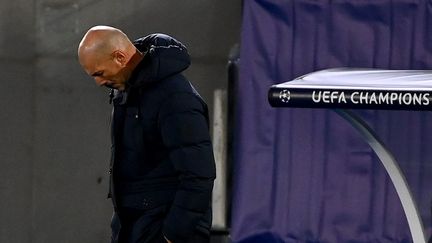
x: 100, y: 81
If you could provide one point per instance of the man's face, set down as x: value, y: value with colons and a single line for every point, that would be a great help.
x: 106, y: 71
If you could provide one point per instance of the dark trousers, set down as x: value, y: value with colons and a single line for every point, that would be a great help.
x: 137, y: 226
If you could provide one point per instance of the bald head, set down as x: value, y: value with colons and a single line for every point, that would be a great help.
x: 102, y: 41
x: 108, y: 55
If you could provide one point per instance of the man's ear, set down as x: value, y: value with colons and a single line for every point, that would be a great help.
x: 120, y: 58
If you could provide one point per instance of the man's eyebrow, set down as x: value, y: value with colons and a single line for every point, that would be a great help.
x: 97, y: 73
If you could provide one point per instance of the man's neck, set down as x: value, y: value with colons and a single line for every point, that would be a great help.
x: 134, y: 61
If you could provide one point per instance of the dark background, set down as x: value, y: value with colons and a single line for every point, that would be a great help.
x: 54, y: 120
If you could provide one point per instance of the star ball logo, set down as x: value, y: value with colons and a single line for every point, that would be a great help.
x: 284, y: 96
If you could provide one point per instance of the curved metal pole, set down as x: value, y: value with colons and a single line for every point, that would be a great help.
x: 393, y: 170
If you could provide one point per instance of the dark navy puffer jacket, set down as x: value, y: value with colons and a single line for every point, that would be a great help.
x: 162, y: 152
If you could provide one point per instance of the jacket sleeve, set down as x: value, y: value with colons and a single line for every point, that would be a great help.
x: 184, y: 128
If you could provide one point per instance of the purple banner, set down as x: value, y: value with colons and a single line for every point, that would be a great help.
x: 305, y: 175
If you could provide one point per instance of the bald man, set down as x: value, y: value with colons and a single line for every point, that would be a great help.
x: 162, y: 166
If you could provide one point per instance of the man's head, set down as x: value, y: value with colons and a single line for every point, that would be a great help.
x: 108, y: 55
